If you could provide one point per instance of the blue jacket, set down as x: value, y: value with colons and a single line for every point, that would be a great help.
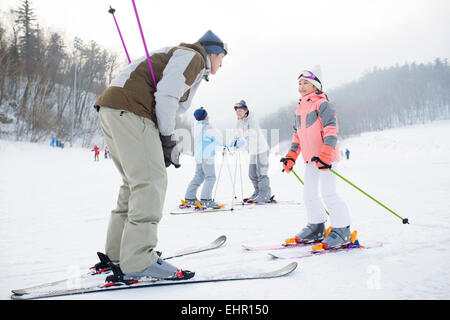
x: 205, y: 141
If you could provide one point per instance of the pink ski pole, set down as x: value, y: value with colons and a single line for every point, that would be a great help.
x: 145, y: 45
x: 111, y: 10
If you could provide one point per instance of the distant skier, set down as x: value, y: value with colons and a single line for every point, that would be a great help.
x: 96, y: 151
x: 205, y: 141
x: 107, y: 155
x: 316, y: 138
x: 249, y: 134
x: 138, y: 122
x: 347, y: 153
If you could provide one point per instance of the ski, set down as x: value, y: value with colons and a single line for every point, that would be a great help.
x: 157, y: 282
x: 276, y: 247
x: 191, y: 210
x: 197, y: 249
x: 93, y: 273
x: 350, y: 247
x: 272, y: 200
x: 272, y: 203
x: 184, y: 208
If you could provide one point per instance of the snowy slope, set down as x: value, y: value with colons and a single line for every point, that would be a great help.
x: 54, y: 208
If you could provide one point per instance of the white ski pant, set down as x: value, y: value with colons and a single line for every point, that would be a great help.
x: 339, y: 215
x: 136, y: 150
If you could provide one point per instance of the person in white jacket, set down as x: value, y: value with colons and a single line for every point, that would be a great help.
x: 249, y: 134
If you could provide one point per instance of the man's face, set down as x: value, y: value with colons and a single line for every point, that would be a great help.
x: 216, y: 61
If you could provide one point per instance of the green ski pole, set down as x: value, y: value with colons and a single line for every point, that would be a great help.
x: 297, y: 177
x: 404, y: 220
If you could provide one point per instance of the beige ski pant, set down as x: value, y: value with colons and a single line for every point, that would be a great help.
x: 136, y: 150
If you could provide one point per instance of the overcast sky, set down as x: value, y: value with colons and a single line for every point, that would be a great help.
x: 270, y: 42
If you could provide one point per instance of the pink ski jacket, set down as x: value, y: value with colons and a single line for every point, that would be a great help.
x: 315, y: 125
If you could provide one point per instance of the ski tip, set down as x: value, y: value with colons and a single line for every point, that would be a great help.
x: 293, y: 265
x: 247, y: 247
x: 18, y: 292
x: 221, y: 239
x: 273, y: 256
x: 290, y: 267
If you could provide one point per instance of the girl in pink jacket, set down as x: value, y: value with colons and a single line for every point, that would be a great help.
x: 315, y: 137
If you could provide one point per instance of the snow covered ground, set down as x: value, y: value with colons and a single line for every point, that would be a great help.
x: 54, y: 210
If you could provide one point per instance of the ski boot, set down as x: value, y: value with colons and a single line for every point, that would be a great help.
x: 187, y: 203
x: 251, y: 198
x: 105, y: 263
x: 210, y: 204
x: 159, y: 270
x: 310, y: 234
x: 265, y: 199
x: 261, y: 199
x: 336, y: 239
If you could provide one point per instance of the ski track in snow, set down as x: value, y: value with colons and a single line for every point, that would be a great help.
x: 55, y: 204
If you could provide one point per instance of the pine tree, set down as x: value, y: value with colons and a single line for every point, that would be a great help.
x: 28, y: 41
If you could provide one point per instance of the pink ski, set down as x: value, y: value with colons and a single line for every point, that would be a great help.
x: 318, y: 253
x: 276, y: 247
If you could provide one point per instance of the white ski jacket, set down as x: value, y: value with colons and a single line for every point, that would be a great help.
x: 248, y: 129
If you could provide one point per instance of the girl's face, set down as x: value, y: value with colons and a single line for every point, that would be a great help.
x: 305, y: 87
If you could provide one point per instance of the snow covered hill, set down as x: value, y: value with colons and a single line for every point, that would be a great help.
x: 55, y: 203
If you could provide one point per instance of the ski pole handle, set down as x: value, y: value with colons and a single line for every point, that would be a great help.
x: 404, y: 220
x: 112, y: 10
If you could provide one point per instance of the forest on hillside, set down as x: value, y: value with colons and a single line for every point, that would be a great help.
x: 49, y: 84
x: 382, y: 98
x: 38, y: 91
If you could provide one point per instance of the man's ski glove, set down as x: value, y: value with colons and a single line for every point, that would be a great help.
x: 289, y: 161
x: 323, y: 161
x: 171, y: 151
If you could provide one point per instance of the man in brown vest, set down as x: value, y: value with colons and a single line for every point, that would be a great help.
x: 138, y: 122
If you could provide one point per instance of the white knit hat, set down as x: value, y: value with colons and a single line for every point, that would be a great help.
x: 313, y: 75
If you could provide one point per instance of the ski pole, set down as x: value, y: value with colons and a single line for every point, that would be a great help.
x: 234, y: 182
x: 297, y: 177
x: 111, y: 10
x: 404, y: 220
x: 240, y: 174
x: 143, y: 41
x: 220, y: 172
